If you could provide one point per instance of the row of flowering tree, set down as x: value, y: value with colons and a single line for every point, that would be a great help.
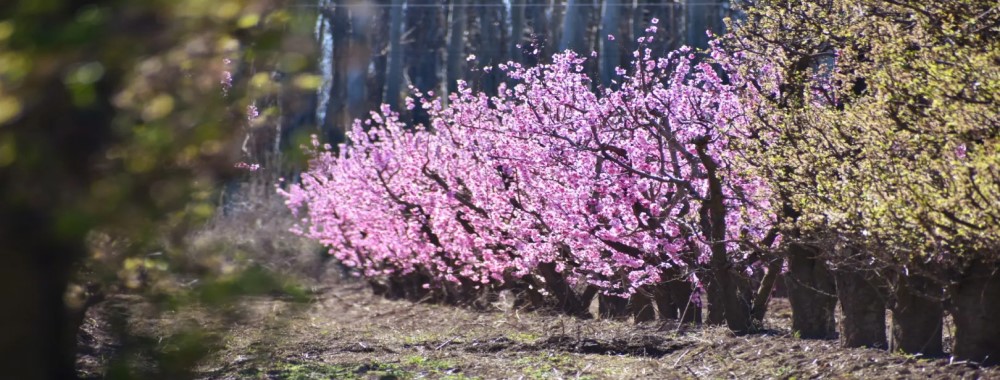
x: 864, y: 165
x: 882, y: 148
x: 558, y: 190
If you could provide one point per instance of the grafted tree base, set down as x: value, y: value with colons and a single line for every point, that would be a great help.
x: 612, y: 307
x: 863, y: 305
x: 976, y: 300
x: 811, y: 293
x: 566, y: 300
x: 527, y: 298
x: 674, y: 302
x: 641, y: 306
x: 917, y: 315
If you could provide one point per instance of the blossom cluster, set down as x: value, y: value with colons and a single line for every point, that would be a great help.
x: 614, y: 186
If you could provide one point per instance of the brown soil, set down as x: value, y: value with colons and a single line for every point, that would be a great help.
x: 348, y: 333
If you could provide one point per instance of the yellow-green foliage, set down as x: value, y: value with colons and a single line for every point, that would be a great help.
x: 887, y: 124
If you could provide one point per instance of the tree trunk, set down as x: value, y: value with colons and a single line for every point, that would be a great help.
x: 863, y: 306
x: 456, y: 44
x: 917, y: 315
x: 610, y: 57
x: 732, y: 287
x: 567, y: 301
x: 527, y: 298
x: 674, y: 301
x: 514, y: 46
x: 38, y: 339
x: 701, y: 17
x: 337, y: 27
x: 766, y: 290
x: 423, y: 24
x: 380, y: 45
x: 664, y: 302
x: 394, y: 71
x: 358, y: 59
x: 714, y: 307
x: 612, y: 307
x: 976, y: 300
x: 488, y: 51
x: 641, y: 306
x: 811, y: 293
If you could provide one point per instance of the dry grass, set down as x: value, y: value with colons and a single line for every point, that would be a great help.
x: 348, y: 333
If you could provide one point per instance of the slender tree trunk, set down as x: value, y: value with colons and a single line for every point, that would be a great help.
x: 394, y: 71
x: 732, y: 287
x: 423, y: 21
x: 338, y: 23
x: 863, y: 306
x: 516, y: 30
x: 357, y: 67
x: 379, y: 39
x: 572, y: 32
x: 976, y: 302
x: 636, y: 27
x: 811, y: 293
x: 701, y: 16
x: 766, y: 289
x: 487, y: 51
x: 456, y: 43
x: 554, y: 14
x: 610, y: 56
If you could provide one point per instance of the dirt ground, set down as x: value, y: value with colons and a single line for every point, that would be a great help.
x: 347, y: 333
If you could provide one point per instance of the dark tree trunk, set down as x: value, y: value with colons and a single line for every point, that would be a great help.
x: 380, y: 61
x: 487, y: 50
x: 514, y: 46
x: 766, y: 289
x: 610, y: 57
x: 527, y: 298
x: 456, y: 44
x: 637, y: 25
x: 674, y: 301
x: 555, y: 13
x: 641, y: 307
x: 37, y: 340
x: 714, y: 307
x: 811, y: 293
x: 664, y: 302
x: 358, y: 59
x: 339, y: 28
x: 612, y: 307
x: 567, y: 300
x: 702, y: 16
x: 538, y: 24
x: 863, y: 305
x: 423, y: 22
x: 394, y: 70
x: 917, y: 315
x: 732, y: 287
x: 976, y: 302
